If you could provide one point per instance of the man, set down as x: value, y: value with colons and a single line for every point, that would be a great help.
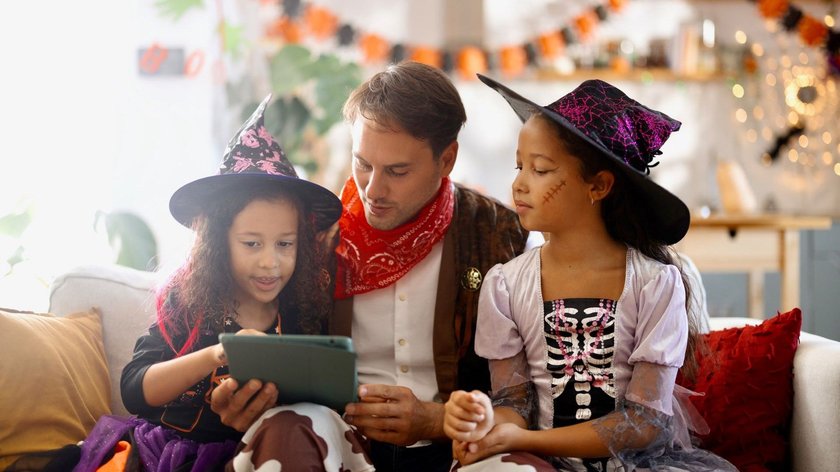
x: 412, y: 249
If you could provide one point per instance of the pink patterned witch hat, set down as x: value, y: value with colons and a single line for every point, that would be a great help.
x: 252, y: 156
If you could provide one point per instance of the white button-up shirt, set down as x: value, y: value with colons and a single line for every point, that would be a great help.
x: 392, y: 330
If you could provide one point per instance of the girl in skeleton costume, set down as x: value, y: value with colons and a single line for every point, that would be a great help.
x: 585, y: 334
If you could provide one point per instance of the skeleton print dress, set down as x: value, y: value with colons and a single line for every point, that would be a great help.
x: 580, y: 336
x: 566, y: 361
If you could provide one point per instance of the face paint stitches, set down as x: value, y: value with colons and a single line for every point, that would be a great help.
x: 553, y: 191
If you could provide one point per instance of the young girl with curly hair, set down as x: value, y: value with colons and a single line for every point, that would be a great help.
x: 256, y: 266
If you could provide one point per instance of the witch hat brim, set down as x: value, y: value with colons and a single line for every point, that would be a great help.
x: 671, y: 216
x: 192, y: 199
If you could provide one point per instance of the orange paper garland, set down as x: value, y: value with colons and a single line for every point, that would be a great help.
x: 812, y: 31
x: 585, y: 24
x: 320, y: 22
x: 285, y: 29
x: 772, y: 8
x: 426, y: 55
x: 374, y: 47
x: 512, y: 59
x: 617, y: 5
x: 551, y: 44
x: 471, y: 61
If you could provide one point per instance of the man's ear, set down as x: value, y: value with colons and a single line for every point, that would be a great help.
x: 601, y: 185
x: 447, y: 158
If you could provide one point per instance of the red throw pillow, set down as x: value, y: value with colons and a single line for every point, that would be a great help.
x: 747, y: 377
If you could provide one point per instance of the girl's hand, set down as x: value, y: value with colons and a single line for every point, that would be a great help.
x: 250, y: 331
x: 504, y: 437
x: 219, y: 351
x: 468, y: 416
x: 459, y: 451
x: 219, y: 354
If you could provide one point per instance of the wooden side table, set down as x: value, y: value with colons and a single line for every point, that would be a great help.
x: 754, y: 244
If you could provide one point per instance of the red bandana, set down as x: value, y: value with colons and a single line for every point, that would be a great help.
x: 369, y: 258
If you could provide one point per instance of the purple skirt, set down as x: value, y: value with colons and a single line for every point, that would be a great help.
x: 158, y: 448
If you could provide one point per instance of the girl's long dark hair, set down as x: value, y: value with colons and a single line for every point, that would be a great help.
x: 627, y: 221
x: 201, y: 292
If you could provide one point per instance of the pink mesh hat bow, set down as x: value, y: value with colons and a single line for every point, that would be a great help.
x: 622, y: 130
x: 253, y: 156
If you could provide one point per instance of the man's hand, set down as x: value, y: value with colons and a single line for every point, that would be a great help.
x: 240, y: 408
x: 392, y: 414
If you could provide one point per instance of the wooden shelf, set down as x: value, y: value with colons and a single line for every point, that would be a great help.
x: 633, y: 75
x: 769, y: 221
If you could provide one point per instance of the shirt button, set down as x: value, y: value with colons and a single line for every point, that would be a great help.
x: 402, y: 297
x: 403, y: 369
x: 402, y: 342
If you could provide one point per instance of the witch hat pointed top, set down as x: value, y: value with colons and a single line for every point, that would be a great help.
x: 253, y: 155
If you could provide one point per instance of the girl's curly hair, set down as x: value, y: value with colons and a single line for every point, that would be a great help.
x: 201, y: 292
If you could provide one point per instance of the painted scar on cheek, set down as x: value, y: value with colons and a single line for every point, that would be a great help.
x: 553, y: 191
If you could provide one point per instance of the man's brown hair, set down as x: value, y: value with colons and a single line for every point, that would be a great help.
x: 411, y: 97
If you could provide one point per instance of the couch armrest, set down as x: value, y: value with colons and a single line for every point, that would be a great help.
x: 125, y: 298
x: 815, y: 425
x: 816, y: 396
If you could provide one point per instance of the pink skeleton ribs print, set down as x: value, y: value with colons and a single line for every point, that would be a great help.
x: 579, y: 335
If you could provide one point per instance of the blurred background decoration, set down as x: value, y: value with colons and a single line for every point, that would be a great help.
x: 12, y: 249
x: 309, y: 92
x: 26, y: 266
x: 130, y: 237
x: 309, y: 88
x: 789, y: 100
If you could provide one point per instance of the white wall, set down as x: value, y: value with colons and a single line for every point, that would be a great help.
x: 82, y: 131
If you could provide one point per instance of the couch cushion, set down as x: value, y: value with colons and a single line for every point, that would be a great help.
x: 747, y: 378
x: 54, y: 380
x: 124, y: 297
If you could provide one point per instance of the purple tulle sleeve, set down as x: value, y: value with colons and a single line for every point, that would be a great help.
x: 511, y: 389
x: 642, y: 438
x: 642, y: 434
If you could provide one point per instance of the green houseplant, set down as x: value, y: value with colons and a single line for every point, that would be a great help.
x: 309, y: 91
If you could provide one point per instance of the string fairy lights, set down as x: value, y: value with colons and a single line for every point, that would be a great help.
x: 791, y: 101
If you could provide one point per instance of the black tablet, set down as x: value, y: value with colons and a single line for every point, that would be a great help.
x: 305, y: 368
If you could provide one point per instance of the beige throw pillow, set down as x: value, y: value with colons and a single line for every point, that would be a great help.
x: 54, y: 382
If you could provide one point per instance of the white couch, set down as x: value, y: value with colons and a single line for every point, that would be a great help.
x: 125, y: 298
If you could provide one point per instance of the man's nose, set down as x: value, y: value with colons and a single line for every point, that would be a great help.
x: 376, y: 188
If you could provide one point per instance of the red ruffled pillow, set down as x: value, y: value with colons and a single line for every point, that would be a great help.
x: 747, y: 377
